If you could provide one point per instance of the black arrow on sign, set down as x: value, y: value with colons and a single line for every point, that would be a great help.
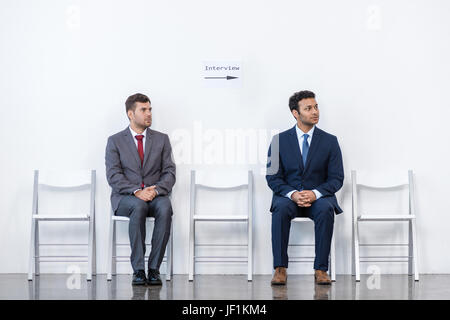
x: 227, y: 78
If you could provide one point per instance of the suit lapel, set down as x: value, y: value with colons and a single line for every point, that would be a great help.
x: 314, y: 146
x: 293, y: 141
x: 148, y: 144
x: 129, y: 141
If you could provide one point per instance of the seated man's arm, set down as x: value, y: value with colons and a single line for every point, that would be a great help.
x: 317, y: 193
x: 168, y: 169
x: 114, y: 172
x: 275, y: 171
x: 335, y: 177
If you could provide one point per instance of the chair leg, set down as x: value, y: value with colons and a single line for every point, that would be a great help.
x: 169, y: 251
x: 333, y: 259
x: 114, y: 255
x: 191, y: 250
x: 90, y: 248
x: 171, y: 256
x: 356, y: 253
x: 250, y: 252
x: 36, y: 249
x: 111, y: 250
x: 410, y: 249
x: 415, y: 251
x: 353, y: 262
x: 94, y: 251
x: 31, y: 261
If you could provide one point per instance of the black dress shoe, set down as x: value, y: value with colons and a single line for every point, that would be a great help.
x: 139, y: 278
x: 153, y: 278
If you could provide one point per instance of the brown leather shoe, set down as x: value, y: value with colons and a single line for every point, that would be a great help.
x: 279, y: 277
x: 321, y: 277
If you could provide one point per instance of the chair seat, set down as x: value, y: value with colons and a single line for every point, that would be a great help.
x: 120, y: 218
x: 390, y: 217
x: 56, y: 217
x: 301, y: 219
x: 220, y: 218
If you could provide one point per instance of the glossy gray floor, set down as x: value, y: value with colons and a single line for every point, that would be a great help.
x: 228, y: 287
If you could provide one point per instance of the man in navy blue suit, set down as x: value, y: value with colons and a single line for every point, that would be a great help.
x: 304, y: 171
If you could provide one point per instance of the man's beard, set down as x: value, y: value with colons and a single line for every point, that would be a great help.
x: 144, y: 124
x: 308, y: 123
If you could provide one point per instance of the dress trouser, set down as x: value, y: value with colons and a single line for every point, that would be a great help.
x: 137, y: 210
x: 321, y: 212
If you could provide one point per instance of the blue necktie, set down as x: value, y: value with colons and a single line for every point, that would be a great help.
x: 305, y: 148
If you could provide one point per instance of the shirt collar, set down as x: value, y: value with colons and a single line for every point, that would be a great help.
x: 300, y: 133
x: 134, y: 134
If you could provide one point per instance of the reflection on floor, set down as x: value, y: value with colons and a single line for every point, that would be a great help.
x: 236, y: 287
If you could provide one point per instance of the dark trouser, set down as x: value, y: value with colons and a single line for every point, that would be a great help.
x: 321, y: 212
x: 137, y: 210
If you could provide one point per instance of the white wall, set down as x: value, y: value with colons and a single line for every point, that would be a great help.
x: 381, y: 81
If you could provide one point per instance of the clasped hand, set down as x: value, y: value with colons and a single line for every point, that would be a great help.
x: 303, y: 198
x: 147, y: 194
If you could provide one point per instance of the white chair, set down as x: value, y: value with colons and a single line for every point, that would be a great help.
x: 332, y: 260
x: 61, y: 182
x: 112, y: 253
x: 234, y: 180
x: 357, y: 217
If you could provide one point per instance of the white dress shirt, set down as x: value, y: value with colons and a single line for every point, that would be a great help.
x: 134, y: 134
x: 300, y: 139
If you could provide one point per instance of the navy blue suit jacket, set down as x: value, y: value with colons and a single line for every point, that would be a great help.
x: 323, y: 170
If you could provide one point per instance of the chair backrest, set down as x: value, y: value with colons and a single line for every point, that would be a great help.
x: 225, y: 180
x: 221, y: 179
x: 377, y: 185
x: 64, y: 181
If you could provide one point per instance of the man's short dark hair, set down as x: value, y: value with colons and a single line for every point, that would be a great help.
x: 137, y: 97
x: 296, y: 97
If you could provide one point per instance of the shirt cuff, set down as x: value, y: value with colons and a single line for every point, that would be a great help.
x: 134, y: 192
x: 317, y: 193
x: 289, y: 194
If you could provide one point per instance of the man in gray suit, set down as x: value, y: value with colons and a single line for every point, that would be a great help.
x: 141, y: 173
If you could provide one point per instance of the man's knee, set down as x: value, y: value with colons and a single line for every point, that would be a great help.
x: 324, y: 209
x: 139, y: 210
x: 163, y: 208
x: 284, y: 207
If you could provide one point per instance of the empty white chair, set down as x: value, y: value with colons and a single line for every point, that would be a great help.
x: 62, y: 182
x: 112, y: 253
x: 332, y: 264
x: 232, y: 180
x: 358, y: 217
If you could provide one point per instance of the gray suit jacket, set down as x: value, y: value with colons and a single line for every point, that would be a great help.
x: 123, y: 165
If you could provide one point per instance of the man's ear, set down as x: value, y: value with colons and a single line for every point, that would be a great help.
x: 295, y: 113
x: 129, y: 114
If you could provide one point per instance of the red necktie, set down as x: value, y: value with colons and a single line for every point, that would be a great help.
x: 139, y: 138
